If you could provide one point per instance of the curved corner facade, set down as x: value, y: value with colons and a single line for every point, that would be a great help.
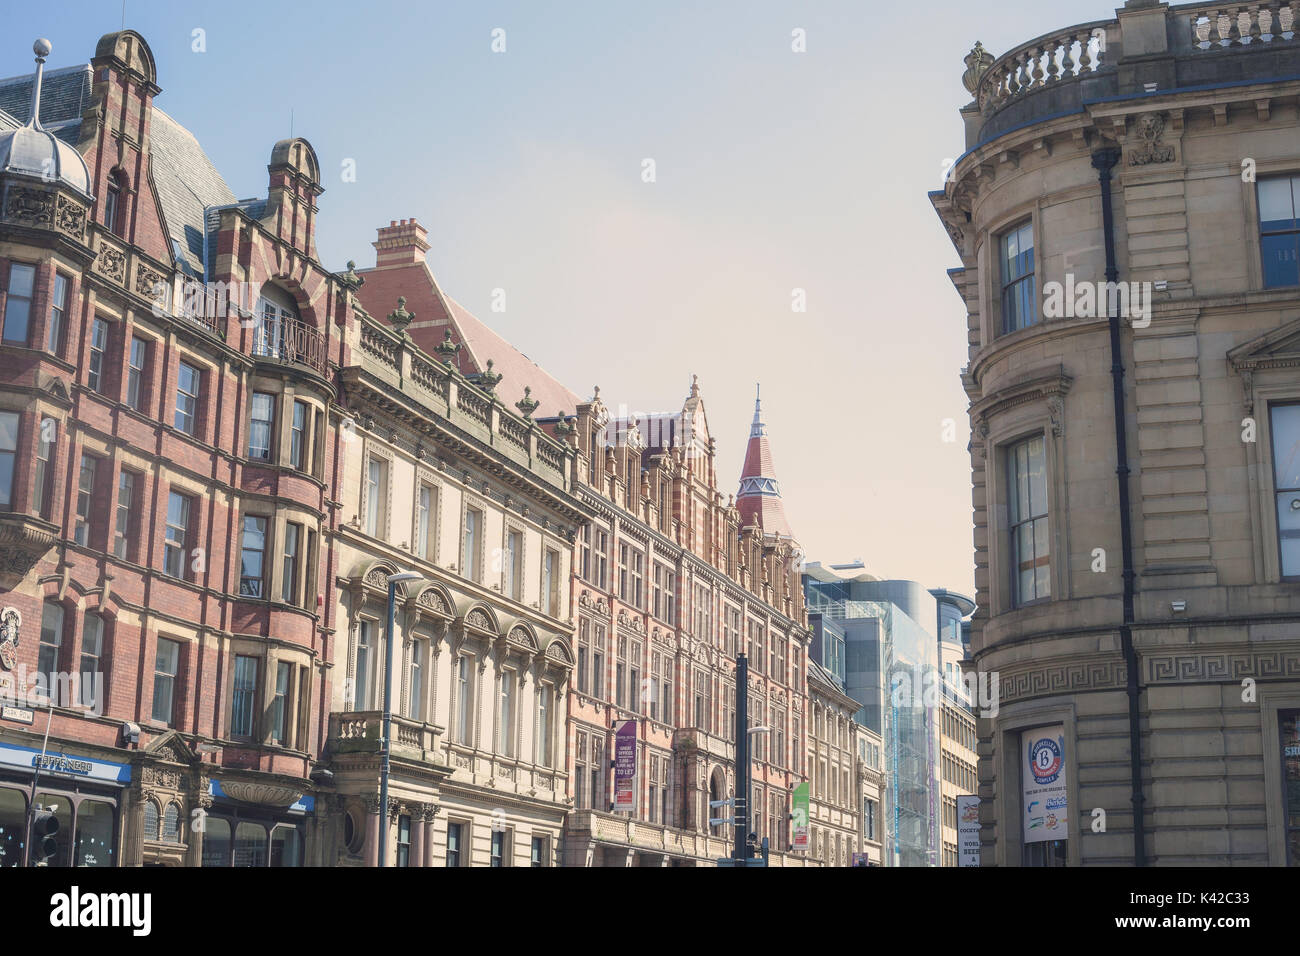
x: 1181, y: 697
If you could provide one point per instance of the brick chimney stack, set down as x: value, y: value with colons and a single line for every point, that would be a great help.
x: 400, y: 243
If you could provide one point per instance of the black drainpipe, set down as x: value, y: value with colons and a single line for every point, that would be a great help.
x: 1104, y: 161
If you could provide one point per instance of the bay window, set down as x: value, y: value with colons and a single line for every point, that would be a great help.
x: 243, y: 697
x: 8, y: 454
x: 252, y: 557
x: 261, y: 426
x: 18, y: 302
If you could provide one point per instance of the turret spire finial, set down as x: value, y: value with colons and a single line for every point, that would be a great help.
x: 42, y: 49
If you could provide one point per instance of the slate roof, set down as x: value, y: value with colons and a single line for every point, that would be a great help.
x: 64, y: 94
x: 185, y: 178
x: 187, y: 183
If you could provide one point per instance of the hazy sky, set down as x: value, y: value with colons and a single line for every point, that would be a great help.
x: 775, y: 170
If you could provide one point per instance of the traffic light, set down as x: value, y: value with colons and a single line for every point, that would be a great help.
x: 45, y: 827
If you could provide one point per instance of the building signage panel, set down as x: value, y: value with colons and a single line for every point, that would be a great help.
x: 799, y: 812
x: 968, y: 830
x: 625, y: 776
x: 1044, y: 802
x: 64, y: 764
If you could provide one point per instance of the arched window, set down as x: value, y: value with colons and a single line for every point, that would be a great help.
x: 171, y: 831
x: 150, y: 820
x: 277, y: 320
x: 113, y: 203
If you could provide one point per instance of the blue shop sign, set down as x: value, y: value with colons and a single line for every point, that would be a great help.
x: 64, y: 765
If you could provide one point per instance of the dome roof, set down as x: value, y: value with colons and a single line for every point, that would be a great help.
x: 34, y: 151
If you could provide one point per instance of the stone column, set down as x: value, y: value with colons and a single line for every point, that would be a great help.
x: 417, y: 834
x: 372, y: 830
x: 133, y: 827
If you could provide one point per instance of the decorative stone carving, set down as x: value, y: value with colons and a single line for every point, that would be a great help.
x: 23, y: 542
x: 261, y: 793
x: 478, y: 618
x: 527, y: 405
x: 32, y: 207
x: 146, y: 279
x: 1056, y: 415
x: 112, y: 263
x: 977, y: 61
x: 70, y: 218
x: 162, y: 777
x: 520, y: 637
x: 434, y: 601
x: 1149, y: 128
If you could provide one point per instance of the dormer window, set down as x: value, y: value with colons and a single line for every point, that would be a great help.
x: 113, y: 203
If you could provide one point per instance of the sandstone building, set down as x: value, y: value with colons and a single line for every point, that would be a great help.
x: 1134, y: 458
x: 440, y: 477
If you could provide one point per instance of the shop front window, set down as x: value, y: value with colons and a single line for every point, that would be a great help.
x: 13, y: 818
x: 250, y: 845
x: 216, y: 842
x: 94, y: 836
x: 286, y: 845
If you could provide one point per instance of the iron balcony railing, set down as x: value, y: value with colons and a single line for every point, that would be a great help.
x: 289, y: 340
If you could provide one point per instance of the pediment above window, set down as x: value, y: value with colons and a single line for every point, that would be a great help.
x: 1275, y: 350
x: 1279, y: 348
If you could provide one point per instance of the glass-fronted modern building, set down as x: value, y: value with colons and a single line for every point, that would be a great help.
x: 892, y: 669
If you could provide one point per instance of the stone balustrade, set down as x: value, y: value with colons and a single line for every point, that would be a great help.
x: 353, y: 731
x: 395, y: 359
x: 1070, y: 54
x: 1216, y: 26
x: 1148, y: 48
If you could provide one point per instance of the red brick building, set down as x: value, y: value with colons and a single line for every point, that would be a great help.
x: 167, y: 462
x: 672, y: 581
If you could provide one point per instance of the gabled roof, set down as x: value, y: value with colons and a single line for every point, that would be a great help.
x: 436, y: 312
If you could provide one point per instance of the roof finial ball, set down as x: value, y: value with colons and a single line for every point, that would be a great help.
x: 41, y: 48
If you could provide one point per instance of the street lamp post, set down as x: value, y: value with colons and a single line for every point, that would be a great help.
x: 386, y: 749
x: 741, y: 816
